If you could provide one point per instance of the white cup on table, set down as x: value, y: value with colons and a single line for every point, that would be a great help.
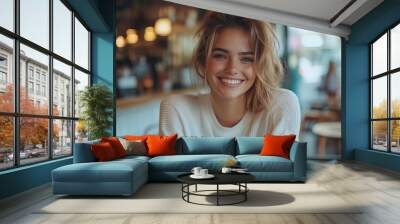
x: 226, y: 170
x: 196, y: 170
x: 203, y: 172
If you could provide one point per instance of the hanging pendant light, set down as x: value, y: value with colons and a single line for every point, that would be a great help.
x: 149, y: 34
x: 163, y: 27
x: 131, y: 36
x: 120, y: 42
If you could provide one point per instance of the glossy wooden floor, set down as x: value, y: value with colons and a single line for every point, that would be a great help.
x: 378, y: 188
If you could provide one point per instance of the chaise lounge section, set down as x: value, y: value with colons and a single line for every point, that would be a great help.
x: 88, y: 177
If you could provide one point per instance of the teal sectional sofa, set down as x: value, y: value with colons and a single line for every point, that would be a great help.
x: 125, y: 176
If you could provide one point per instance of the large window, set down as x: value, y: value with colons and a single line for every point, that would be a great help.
x: 385, y: 91
x: 44, y: 64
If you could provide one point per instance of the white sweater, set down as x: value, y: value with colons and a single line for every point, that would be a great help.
x: 192, y: 115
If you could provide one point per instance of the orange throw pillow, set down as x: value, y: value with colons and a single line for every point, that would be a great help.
x: 277, y: 145
x: 116, y: 145
x: 161, y: 145
x: 103, y: 151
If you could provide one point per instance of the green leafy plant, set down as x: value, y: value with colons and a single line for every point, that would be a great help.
x: 96, y: 102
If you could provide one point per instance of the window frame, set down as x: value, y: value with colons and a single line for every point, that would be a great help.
x: 388, y: 74
x: 16, y: 115
x: 5, y: 59
x: 3, y: 77
x: 3, y: 71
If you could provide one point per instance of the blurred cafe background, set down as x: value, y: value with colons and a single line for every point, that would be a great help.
x: 155, y: 40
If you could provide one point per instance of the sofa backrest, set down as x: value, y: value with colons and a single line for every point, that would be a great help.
x: 249, y: 145
x: 192, y: 146
x: 83, y: 152
x: 206, y: 145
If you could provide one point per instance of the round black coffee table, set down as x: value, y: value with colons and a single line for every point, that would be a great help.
x: 238, y: 179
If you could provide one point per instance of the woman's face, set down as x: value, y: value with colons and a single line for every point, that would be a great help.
x: 230, y: 65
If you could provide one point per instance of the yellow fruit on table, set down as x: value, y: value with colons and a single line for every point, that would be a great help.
x: 231, y: 162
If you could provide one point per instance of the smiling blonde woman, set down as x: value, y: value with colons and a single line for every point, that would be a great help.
x: 237, y: 58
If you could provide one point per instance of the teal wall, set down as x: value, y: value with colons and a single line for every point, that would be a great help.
x: 103, y: 65
x: 24, y: 178
x: 355, y: 80
x: 103, y: 58
x: 380, y: 159
x: 99, y: 16
x: 95, y: 13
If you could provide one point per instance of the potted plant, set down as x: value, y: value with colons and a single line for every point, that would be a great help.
x: 96, y: 102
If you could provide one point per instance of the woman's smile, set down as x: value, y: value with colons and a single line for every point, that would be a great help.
x: 230, y: 82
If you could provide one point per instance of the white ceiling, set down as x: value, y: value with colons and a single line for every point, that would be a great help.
x: 320, y: 9
x: 315, y: 15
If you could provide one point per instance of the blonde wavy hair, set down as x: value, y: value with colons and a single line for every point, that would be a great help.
x: 268, y: 67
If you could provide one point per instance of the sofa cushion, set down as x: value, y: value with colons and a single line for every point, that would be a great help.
x: 249, y: 145
x: 131, y: 158
x: 206, y: 145
x: 257, y: 163
x: 185, y: 163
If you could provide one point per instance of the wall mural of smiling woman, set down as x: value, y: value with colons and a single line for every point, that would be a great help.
x: 237, y: 58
